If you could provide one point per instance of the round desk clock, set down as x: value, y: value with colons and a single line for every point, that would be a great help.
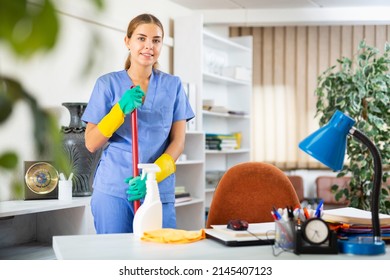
x: 41, y: 178
x: 315, y: 231
x: 315, y: 237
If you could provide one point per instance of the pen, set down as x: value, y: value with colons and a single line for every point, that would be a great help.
x: 278, y: 216
x: 319, y: 209
x: 290, y: 213
x: 306, y: 213
x: 274, y: 216
x: 299, y: 218
x: 70, y: 176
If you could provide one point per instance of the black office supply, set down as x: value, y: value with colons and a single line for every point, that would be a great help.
x: 234, y: 242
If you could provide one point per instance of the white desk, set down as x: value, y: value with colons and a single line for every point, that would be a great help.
x: 126, y: 247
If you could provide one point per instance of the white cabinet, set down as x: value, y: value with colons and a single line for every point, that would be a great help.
x: 27, y: 227
x: 220, y: 67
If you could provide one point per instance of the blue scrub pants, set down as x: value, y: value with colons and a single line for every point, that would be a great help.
x: 115, y: 214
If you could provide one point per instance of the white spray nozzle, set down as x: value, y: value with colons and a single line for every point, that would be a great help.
x: 148, y: 168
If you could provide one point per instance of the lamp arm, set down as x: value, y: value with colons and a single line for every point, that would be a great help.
x: 377, y: 179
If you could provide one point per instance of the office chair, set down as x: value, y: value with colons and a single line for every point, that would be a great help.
x: 248, y: 191
x: 324, y: 190
x: 297, y: 182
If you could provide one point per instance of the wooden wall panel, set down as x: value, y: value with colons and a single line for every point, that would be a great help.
x: 369, y: 34
x: 268, y: 92
x: 380, y: 38
x: 258, y: 129
x: 358, y: 35
x: 301, y: 88
x: 279, y: 104
x: 291, y: 105
x: 347, y: 46
x: 334, y: 44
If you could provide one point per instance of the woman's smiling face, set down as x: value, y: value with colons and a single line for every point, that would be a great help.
x: 145, y: 44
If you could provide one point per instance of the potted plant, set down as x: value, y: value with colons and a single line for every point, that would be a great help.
x: 360, y: 87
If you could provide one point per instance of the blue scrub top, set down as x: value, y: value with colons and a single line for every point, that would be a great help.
x: 166, y: 102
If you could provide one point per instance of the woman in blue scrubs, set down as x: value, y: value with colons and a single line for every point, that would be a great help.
x: 163, y: 110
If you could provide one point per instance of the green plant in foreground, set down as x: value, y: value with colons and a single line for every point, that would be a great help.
x: 361, y: 89
x: 48, y: 139
x: 28, y: 28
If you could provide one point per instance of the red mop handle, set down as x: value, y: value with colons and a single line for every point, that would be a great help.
x: 134, y: 138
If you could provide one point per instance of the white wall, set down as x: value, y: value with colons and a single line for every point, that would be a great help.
x: 57, y: 77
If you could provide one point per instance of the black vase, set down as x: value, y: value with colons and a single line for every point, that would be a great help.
x: 83, y: 162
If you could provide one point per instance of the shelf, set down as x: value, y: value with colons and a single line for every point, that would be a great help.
x: 21, y: 207
x: 239, y: 151
x: 223, y: 44
x: 194, y: 132
x: 188, y: 162
x: 190, y: 202
x: 215, y: 78
x: 224, y: 115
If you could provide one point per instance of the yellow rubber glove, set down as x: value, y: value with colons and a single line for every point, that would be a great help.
x: 167, y: 166
x: 130, y: 101
x: 137, y: 186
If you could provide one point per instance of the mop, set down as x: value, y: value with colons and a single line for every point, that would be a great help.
x: 134, y: 137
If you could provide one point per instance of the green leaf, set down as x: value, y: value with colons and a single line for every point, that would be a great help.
x: 362, y: 44
x: 334, y: 188
x: 5, y: 106
x: 339, y: 195
x: 8, y: 160
x: 23, y: 23
x: 387, y: 47
x: 378, y: 122
x: 99, y: 4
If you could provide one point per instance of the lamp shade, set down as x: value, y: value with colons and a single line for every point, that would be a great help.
x: 328, y: 144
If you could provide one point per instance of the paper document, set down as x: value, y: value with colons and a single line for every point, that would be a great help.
x: 353, y: 216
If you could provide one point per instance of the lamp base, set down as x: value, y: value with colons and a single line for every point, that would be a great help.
x: 362, y: 245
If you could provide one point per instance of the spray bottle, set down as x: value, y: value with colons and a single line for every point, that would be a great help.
x: 149, y: 214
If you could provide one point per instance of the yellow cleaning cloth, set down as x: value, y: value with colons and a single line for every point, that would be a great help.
x: 174, y: 236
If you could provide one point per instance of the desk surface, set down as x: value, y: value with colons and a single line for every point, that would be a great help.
x: 127, y: 246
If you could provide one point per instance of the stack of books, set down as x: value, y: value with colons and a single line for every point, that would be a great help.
x: 181, y: 195
x: 223, y: 142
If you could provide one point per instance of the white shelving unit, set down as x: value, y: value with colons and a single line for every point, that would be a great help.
x: 216, y: 64
x: 190, y: 174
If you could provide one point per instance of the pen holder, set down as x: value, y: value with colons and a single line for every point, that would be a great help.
x: 65, y: 190
x: 285, y: 234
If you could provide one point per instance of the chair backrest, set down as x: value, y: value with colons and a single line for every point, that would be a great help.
x: 248, y: 191
x: 324, y: 185
x: 297, y: 182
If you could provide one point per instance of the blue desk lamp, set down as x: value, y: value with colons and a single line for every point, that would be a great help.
x: 328, y: 145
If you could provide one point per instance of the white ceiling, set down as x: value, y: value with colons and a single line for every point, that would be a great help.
x: 290, y: 12
x: 277, y: 4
